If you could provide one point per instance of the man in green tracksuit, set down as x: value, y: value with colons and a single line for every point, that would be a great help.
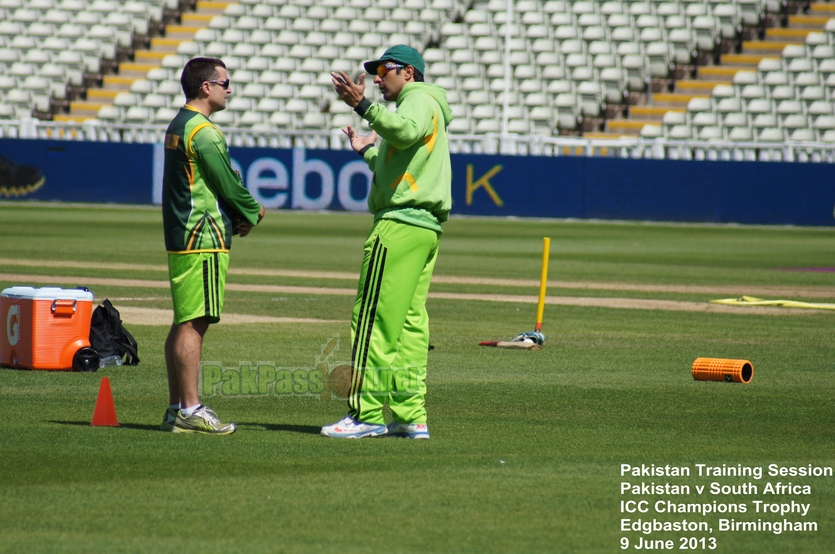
x: 410, y: 198
x: 204, y: 203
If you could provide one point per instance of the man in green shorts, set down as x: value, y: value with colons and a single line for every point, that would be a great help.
x: 204, y: 203
x: 410, y: 197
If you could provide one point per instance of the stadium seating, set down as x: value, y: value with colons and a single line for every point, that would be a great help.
x: 58, y: 48
x: 576, y: 67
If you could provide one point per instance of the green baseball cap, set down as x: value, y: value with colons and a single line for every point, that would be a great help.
x: 402, y: 54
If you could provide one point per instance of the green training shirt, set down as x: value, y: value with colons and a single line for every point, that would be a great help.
x: 199, y: 187
x: 412, y: 170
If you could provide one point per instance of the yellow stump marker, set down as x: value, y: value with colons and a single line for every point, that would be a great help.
x: 543, y: 280
x: 530, y: 340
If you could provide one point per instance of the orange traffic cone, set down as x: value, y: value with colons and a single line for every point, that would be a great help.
x: 105, y: 412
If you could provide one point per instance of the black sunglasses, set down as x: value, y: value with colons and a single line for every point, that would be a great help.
x: 224, y: 84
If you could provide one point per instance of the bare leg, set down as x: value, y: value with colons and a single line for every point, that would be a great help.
x: 173, y: 381
x: 183, y: 351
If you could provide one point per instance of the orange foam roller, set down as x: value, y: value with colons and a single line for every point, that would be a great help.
x: 723, y: 369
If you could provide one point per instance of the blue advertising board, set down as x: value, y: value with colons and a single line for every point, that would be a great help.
x: 646, y: 190
x: 75, y: 171
x: 302, y: 179
x: 522, y: 186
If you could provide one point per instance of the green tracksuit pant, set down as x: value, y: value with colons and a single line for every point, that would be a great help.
x: 390, y: 326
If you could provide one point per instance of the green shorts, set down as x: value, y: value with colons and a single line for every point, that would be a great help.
x: 197, y: 284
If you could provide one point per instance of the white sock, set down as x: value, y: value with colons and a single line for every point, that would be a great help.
x: 174, y: 407
x: 188, y: 411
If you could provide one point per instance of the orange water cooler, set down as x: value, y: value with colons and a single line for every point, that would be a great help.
x: 43, y: 328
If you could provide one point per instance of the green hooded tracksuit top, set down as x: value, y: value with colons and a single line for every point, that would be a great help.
x: 412, y: 172
x: 410, y: 197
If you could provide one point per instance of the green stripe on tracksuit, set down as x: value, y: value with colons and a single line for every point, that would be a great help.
x: 390, y: 325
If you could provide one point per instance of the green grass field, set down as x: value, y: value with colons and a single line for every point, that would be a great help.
x: 526, y: 447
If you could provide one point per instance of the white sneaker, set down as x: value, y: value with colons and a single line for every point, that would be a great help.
x: 350, y: 428
x: 204, y: 420
x: 408, y: 430
x: 169, y: 419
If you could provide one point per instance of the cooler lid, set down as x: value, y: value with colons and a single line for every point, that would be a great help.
x: 46, y: 293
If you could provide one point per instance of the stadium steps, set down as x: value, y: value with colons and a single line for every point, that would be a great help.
x: 788, y: 34
x: 767, y: 47
x: 144, y: 61
x: 601, y: 135
x: 812, y: 22
x: 117, y: 82
x: 735, y: 62
x: 625, y: 126
x: 700, y: 87
x: 101, y: 95
x: 822, y: 9
x: 650, y: 114
x: 675, y: 99
x: 708, y: 77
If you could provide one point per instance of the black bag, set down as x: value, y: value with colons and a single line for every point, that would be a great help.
x: 109, y: 338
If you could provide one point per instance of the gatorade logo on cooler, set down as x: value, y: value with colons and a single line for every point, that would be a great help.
x: 13, y: 324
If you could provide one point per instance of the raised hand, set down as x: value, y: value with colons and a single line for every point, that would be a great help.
x: 350, y: 92
x: 359, y: 142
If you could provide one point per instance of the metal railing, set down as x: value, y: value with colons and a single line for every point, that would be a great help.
x: 490, y: 144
